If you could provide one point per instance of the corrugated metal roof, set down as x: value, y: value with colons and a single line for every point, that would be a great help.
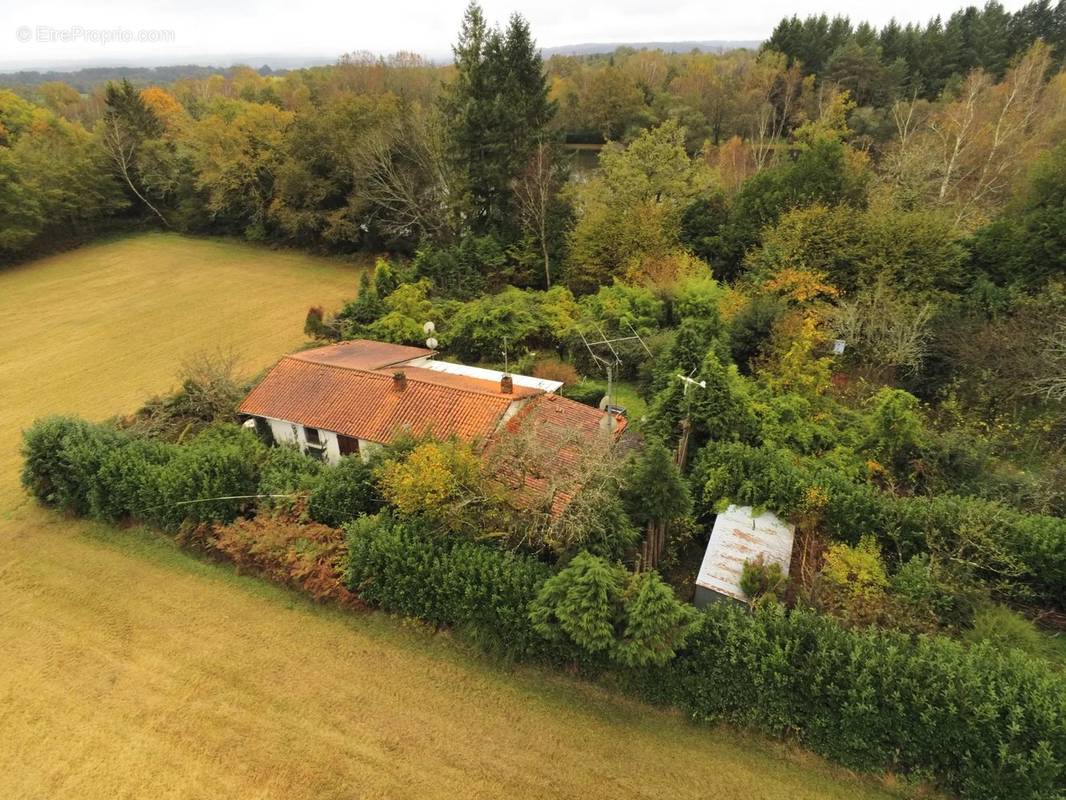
x: 738, y: 536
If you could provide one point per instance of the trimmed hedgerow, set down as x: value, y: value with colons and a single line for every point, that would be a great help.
x: 96, y: 470
x: 1024, y: 554
x: 988, y: 724
x: 62, y: 456
x: 448, y: 581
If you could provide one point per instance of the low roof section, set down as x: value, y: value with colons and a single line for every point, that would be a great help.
x: 542, y: 451
x: 363, y: 354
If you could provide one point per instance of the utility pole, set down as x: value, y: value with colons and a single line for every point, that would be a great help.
x: 686, y: 423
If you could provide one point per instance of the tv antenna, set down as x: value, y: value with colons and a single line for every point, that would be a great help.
x: 609, y: 359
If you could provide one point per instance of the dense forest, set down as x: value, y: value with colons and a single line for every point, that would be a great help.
x: 852, y: 240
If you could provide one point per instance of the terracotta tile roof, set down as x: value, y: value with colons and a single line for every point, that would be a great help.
x: 367, y: 405
x: 464, y: 382
x: 362, y: 354
x: 562, y: 434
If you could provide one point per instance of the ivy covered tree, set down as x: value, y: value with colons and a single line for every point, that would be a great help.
x: 656, y: 496
x: 128, y: 124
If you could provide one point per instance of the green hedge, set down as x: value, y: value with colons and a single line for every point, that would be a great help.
x: 448, y: 581
x: 987, y: 724
x: 997, y: 538
x: 96, y: 470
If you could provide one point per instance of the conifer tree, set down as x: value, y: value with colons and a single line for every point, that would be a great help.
x: 496, y: 111
x: 656, y: 623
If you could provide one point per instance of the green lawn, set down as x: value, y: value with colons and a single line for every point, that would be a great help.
x: 129, y: 669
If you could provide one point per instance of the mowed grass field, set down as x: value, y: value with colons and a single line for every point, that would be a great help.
x: 98, y: 330
x: 129, y: 669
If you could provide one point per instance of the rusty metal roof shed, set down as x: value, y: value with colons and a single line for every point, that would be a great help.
x: 740, y: 535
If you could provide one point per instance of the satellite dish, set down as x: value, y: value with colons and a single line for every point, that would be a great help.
x: 431, y: 343
x: 428, y: 328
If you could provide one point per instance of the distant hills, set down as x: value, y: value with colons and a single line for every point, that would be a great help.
x: 84, y: 76
x: 705, y: 46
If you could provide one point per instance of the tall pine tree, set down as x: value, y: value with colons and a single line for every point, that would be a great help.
x: 496, y: 112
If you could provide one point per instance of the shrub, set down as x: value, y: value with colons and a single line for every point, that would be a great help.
x: 763, y: 583
x: 633, y: 620
x: 656, y: 623
x: 310, y: 558
x: 928, y: 594
x: 210, y: 392
x: 853, y: 583
x: 552, y: 369
x: 582, y: 604
x: 286, y: 471
x: 61, y: 457
x: 448, y: 581
x: 1004, y: 630
x: 595, y: 520
x: 586, y: 391
x: 315, y: 326
x: 122, y: 485
x: 989, y: 724
x: 214, y: 478
x: 441, y: 482
x: 340, y: 494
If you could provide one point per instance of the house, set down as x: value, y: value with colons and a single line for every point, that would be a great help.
x: 351, y: 398
x: 739, y: 535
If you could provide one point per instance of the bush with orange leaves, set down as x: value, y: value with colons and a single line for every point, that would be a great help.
x: 554, y: 369
x: 309, y: 558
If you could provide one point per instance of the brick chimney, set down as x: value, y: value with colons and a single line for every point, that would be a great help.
x: 399, y: 380
x: 506, y: 384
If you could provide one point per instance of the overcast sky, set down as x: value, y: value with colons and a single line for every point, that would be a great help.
x: 108, y: 31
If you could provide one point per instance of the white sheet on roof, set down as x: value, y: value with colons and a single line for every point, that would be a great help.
x: 490, y: 375
x: 739, y: 536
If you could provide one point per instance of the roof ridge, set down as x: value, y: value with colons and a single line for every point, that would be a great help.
x: 377, y: 373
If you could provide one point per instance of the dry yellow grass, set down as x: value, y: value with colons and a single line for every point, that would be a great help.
x: 131, y: 670
x: 128, y: 669
x: 98, y: 330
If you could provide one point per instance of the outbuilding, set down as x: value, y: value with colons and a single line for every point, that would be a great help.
x: 740, y: 535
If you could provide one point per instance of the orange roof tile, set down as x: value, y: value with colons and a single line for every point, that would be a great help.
x: 466, y: 382
x: 362, y: 354
x: 562, y: 430
x: 367, y: 405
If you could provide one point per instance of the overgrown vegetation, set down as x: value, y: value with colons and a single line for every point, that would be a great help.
x: 834, y: 272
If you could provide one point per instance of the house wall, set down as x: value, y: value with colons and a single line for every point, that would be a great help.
x: 293, y: 433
